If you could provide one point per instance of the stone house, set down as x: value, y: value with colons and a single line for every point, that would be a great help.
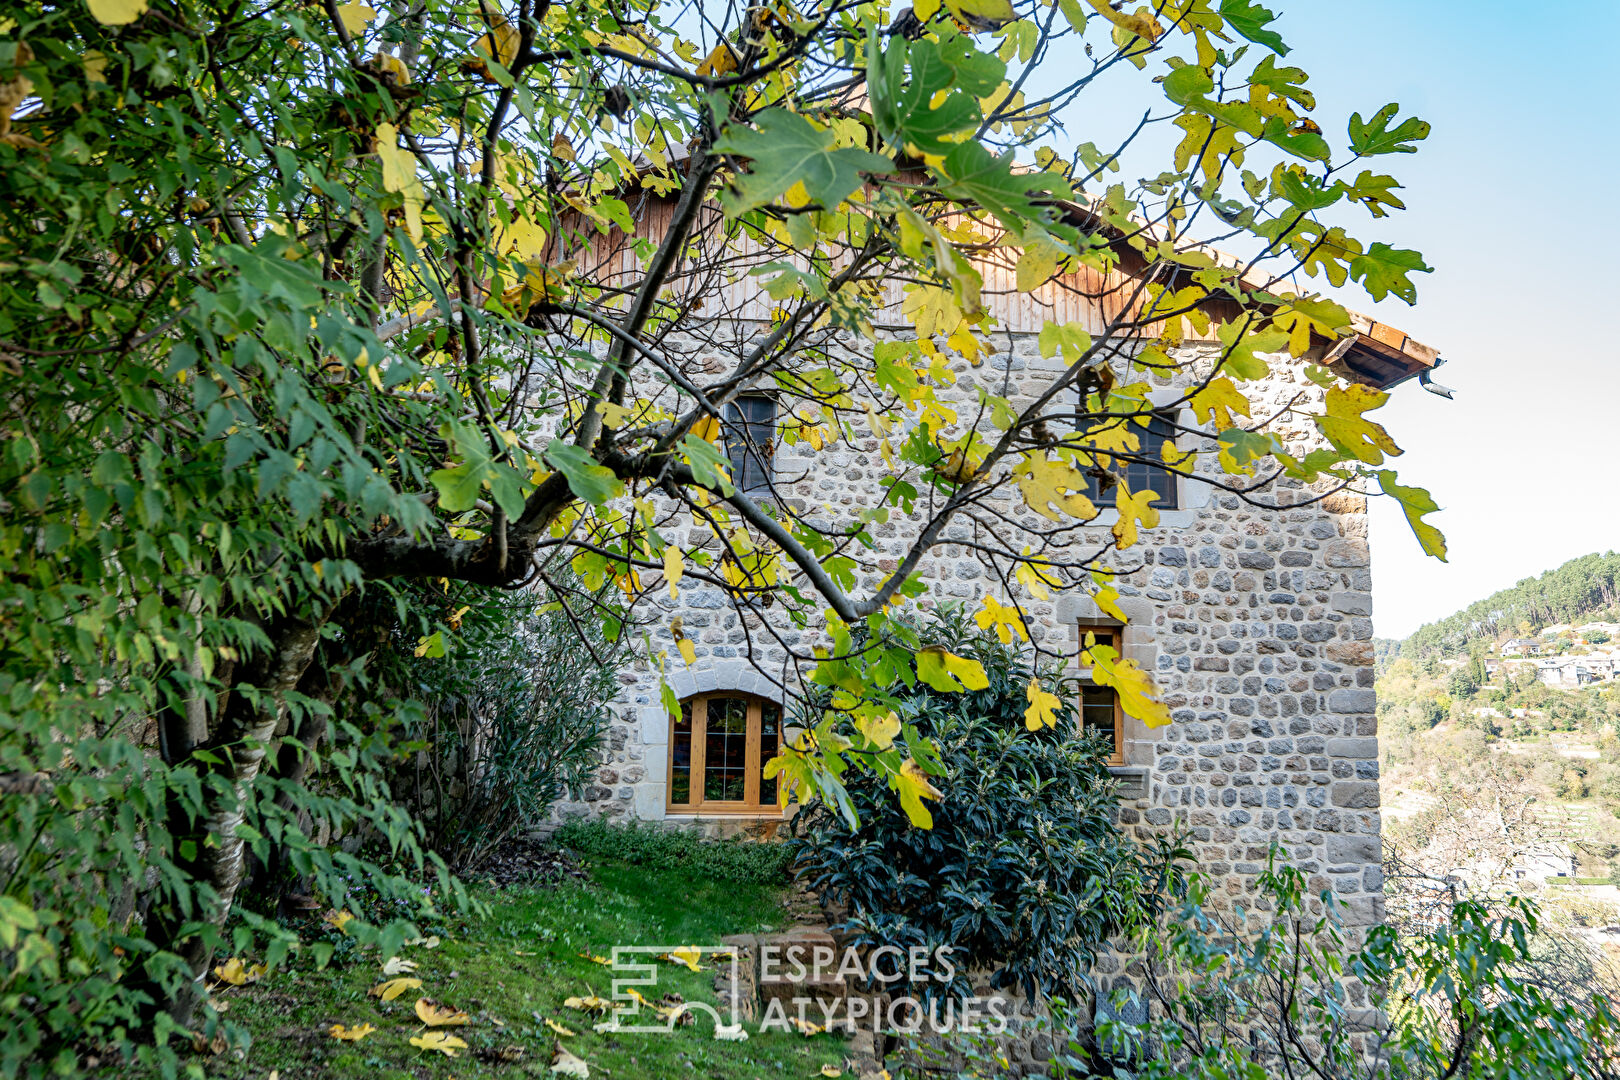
x: 1256, y: 623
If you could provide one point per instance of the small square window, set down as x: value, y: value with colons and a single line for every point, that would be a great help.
x: 1148, y: 474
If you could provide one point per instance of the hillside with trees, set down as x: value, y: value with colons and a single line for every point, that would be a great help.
x: 1583, y: 588
x: 1499, y: 779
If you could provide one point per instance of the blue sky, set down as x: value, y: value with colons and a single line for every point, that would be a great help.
x: 1510, y: 201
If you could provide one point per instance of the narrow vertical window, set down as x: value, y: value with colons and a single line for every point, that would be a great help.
x: 680, y: 757
x: 751, y: 441
x: 1100, y: 711
x: 770, y: 736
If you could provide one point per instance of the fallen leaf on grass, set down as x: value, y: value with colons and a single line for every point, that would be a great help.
x: 433, y: 1014
x: 590, y: 1003
x: 828, y: 1070
x: 806, y: 1028
x: 687, y: 956
x: 606, y: 1027
x: 559, y: 1029
x: 350, y: 1034
x: 397, y: 966
x: 730, y: 1033
x: 565, y: 1064
x: 429, y: 942
x: 338, y: 920
x: 439, y: 1040
x: 391, y: 989
x: 604, y: 961
x: 236, y: 973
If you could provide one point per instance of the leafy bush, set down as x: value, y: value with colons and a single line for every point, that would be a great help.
x: 664, y: 848
x: 1024, y: 870
x: 514, y: 716
x: 1279, y: 989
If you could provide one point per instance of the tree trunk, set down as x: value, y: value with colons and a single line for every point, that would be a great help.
x: 247, y: 722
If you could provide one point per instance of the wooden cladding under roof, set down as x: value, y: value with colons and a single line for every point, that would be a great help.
x: 1377, y: 355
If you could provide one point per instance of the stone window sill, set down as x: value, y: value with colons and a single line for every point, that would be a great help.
x: 1133, y: 780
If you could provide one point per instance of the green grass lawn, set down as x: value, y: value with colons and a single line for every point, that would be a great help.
x: 510, y: 972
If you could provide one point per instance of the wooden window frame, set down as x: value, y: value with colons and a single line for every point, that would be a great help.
x: 1113, y: 635
x: 753, y: 762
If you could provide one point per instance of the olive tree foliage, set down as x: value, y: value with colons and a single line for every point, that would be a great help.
x: 303, y: 297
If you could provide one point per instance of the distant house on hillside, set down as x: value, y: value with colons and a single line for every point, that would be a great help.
x: 1553, y: 860
x: 1521, y: 646
x: 1567, y: 671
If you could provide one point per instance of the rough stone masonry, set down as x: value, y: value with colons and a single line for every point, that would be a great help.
x: 1256, y: 622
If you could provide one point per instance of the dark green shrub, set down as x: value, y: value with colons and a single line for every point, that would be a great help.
x: 514, y: 711
x: 1025, y: 871
x: 663, y: 848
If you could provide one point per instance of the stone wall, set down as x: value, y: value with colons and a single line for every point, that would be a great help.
x: 1256, y: 622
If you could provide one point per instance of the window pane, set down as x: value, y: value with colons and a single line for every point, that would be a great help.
x: 750, y: 440
x: 680, y: 758
x: 770, y: 733
x: 725, y: 748
x: 1097, y: 711
x: 1143, y: 475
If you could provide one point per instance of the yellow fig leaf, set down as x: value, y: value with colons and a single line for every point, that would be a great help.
x: 565, y: 1064
x: 880, y: 731
x: 831, y: 1071
x: 557, y: 1029
x: 398, y: 163
x: 500, y: 44
x: 396, y: 965
x: 354, y: 16
x: 1033, y: 576
x: 1053, y: 487
x: 337, y: 920
x: 237, y: 973
x: 720, y: 61
x: 1133, y: 508
x: 391, y: 989
x: 350, y: 1034
x: 687, y: 956
x: 1007, y: 620
x: 914, y: 786
x: 941, y: 670
x: 707, y: 428
x: 1107, y: 597
x: 674, y: 569
x: 590, y: 1003
x: 1043, y: 707
x: 604, y: 961
x: 1217, y: 401
x: 116, y: 12
x: 1349, y: 431
x: 442, y: 1041
x: 613, y: 416
x: 433, y: 1014
x: 1137, y: 694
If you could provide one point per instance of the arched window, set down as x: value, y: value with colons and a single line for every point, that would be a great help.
x: 718, y: 748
